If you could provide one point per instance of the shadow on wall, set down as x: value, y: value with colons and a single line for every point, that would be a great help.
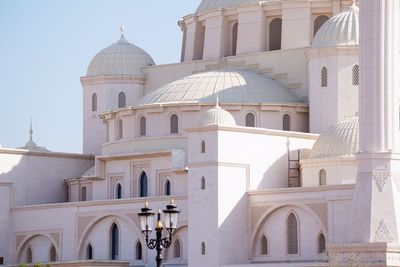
x: 39, y: 179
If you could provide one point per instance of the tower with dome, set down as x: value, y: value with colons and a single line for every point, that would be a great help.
x: 276, y: 135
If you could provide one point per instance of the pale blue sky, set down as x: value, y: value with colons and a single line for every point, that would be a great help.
x: 46, y: 46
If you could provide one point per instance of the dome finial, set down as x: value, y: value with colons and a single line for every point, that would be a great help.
x: 354, y: 3
x: 30, y: 131
x: 217, y: 102
x: 122, y: 27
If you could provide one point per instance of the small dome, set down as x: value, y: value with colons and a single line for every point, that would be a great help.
x: 121, y: 58
x: 340, y: 30
x: 217, y: 116
x: 214, y: 4
x: 340, y: 140
x: 232, y: 86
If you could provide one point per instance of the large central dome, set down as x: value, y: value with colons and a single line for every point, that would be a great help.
x: 214, y: 4
x: 231, y: 86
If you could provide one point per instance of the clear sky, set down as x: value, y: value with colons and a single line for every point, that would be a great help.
x: 46, y: 46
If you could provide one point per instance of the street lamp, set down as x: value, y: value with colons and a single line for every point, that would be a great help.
x: 146, y: 218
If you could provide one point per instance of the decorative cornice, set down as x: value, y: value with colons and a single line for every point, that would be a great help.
x: 45, y: 154
x: 101, y: 79
x: 330, y: 51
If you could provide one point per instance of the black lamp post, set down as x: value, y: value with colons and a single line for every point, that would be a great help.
x: 146, y: 223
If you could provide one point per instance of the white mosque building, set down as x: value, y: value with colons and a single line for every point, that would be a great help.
x: 255, y: 134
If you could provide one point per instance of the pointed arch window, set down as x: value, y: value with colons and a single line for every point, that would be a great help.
x: 203, y: 146
x: 234, y: 38
x: 120, y: 129
x: 94, y: 102
x: 83, y: 193
x: 167, y: 188
x: 139, y: 251
x: 322, y: 177
x: 143, y: 185
x: 324, y: 77
x: 177, y: 249
x: 318, y: 22
x: 286, y: 122
x: 114, y: 239
x: 142, y: 126
x: 250, y: 120
x: 118, y: 191
x: 264, y: 245
x: 203, y: 248
x: 89, y: 252
x: 53, y: 254
x: 356, y: 75
x: 203, y: 183
x: 174, y: 124
x: 29, y: 255
x: 121, y: 100
x: 321, y: 243
x: 292, y: 235
x: 275, y: 34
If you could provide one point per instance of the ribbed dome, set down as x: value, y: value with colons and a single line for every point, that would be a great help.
x: 214, y: 4
x: 217, y: 116
x: 232, y: 86
x: 342, y: 29
x: 121, y: 58
x: 340, y: 140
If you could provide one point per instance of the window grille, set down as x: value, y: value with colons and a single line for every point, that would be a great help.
x: 292, y: 238
x: 286, y: 122
x: 250, y: 120
x: 83, y: 193
x: 321, y: 243
x: 53, y: 254
x: 174, y: 124
x: 324, y: 77
x: 118, y: 191
x: 203, y: 183
x: 143, y: 185
x: 167, y: 189
x: 318, y: 22
x: 203, y: 147
x: 121, y: 100
x: 29, y: 255
x: 120, y: 129
x: 234, y: 39
x: 264, y: 245
x: 322, y: 177
x: 89, y: 252
x: 177, y: 249
x: 203, y: 248
x: 114, y: 246
x: 142, y: 126
x: 275, y: 34
x: 94, y: 102
x: 139, y: 251
x: 356, y: 75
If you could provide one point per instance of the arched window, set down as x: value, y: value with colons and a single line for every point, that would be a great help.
x: 324, y: 77
x: 142, y: 126
x: 139, y: 251
x: 143, y: 185
x: 275, y: 34
x: 89, y: 252
x: 121, y: 100
x: 234, y: 38
x: 356, y: 75
x: 318, y: 22
x: 114, y: 239
x: 94, y: 102
x: 203, y: 183
x: 321, y: 243
x: 120, y: 129
x: 203, y: 147
x: 286, y: 122
x: 167, y: 188
x: 203, y: 248
x: 250, y: 120
x: 322, y: 177
x: 118, y: 191
x: 264, y: 245
x: 177, y: 249
x: 53, y: 254
x: 29, y: 255
x: 174, y: 124
x: 292, y: 235
x: 83, y: 193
